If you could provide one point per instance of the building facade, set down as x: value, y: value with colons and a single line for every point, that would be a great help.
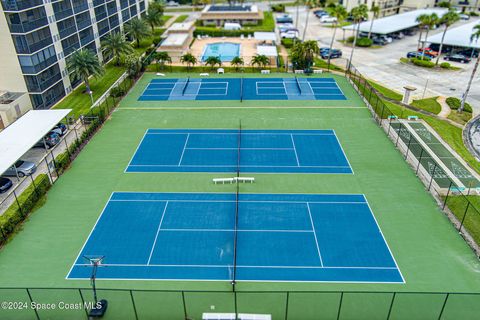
x: 464, y: 5
x: 389, y: 7
x: 38, y: 36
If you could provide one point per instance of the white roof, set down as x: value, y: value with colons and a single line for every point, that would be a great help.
x: 24, y: 133
x: 396, y: 22
x: 269, y: 51
x: 458, y: 37
x: 175, y: 39
x: 265, y: 36
x: 181, y: 26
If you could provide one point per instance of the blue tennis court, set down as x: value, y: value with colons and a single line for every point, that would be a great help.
x: 170, y: 89
x: 250, y: 151
x: 277, y: 237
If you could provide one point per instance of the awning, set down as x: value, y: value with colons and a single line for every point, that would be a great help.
x: 265, y: 36
x: 395, y: 23
x: 23, y: 134
x: 269, y: 51
x: 457, y: 37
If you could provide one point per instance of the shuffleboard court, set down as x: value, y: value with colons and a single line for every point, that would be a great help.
x: 172, y: 89
x: 232, y: 150
x: 269, y: 237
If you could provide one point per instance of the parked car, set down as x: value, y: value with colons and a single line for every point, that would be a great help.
x: 464, y: 17
x: 410, y: 32
x: 22, y: 167
x: 472, y: 53
x: 60, y: 128
x: 172, y: 4
x: 379, y: 41
x: 335, y: 53
x: 328, y: 19
x: 5, y: 184
x: 51, y: 139
x: 397, y: 35
x: 289, y: 35
x: 286, y: 29
x: 419, y: 55
x: 385, y: 38
x: 286, y: 18
x: 429, y: 51
x: 457, y: 58
x: 320, y: 13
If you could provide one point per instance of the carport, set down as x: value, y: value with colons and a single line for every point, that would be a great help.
x: 395, y: 23
x: 457, y: 37
x: 24, y: 133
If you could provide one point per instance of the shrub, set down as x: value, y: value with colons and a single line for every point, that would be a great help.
x: 287, y: 43
x: 364, y: 42
x: 445, y: 65
x: 117, y: 92
x: 278, y: 7
x: 422, y: 63
x: 454, y: 104
x: 14, y: 215
x: 350, y: 39
x: 473, y: 14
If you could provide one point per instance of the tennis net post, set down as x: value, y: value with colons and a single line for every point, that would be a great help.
x: 185, y: 87
x: 298, y: 85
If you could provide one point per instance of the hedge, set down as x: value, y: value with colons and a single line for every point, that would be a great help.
x: 445, y: 65
x: 454, y: 103
x: 278, y: 7
x: 15, y: 215
x: 287, y: 43
x: 422, y: 63
x: 267, y: 25
x: 364, y: 42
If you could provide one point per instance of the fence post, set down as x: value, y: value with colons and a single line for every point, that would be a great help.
x: 286, y: 305
x: 133, y: 304
x: 443, y: 306
x: 48, y: 169
x: 391, y: 305
x: 431, y: 179
x: 408, y: 146
x: 464, y: 215
x: 419, y: 162
x: 184, y: 305
x: 18, y: 203
x: 448, y: 193
x: 83, y: 302
x: 34, y: 185
x: 340, y: 306
x: 31, y: 302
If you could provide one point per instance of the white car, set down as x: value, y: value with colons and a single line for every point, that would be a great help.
x: 289, y: 35
x: 328, y: 19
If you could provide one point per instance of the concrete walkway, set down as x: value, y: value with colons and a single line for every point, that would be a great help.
x: 445, y: 108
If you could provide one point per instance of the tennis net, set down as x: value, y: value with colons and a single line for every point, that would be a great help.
x: 236, y: 206
x: 185, y: 87
x: 298, y: 85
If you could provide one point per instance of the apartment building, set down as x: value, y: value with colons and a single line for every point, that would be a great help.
x: 38, y: 36
x: 390, y: 7
x: 464, y: 5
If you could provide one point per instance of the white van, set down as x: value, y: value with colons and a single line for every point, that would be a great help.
x: 232, y: 26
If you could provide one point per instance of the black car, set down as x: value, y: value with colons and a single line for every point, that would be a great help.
x: 5, y: 184
x: 335, y: 53
x: 379, y: 41
x: 457, y: 58
x: 469, y: 53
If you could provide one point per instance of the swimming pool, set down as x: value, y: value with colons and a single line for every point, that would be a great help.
x: 225, y: 50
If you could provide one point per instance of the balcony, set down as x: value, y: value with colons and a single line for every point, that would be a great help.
x: 18, y: 5
x: 40, y: 44
x: 39, y: 67
x: 81, y: 7
x: 83, y: 24
x: 59, y: 15
x: 28, y: 26
x: 67, y: 31
x: 87, y: 40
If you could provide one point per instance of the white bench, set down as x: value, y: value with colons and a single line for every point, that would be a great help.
x: 204, y: 74
x: 245, y: 179
x: 220, y: 71
x: 298, y: 71
x: 160, y: 74
x: 412, y: 118
x: 265, y: 72
x: 317, y: 71
x: 224, y: 180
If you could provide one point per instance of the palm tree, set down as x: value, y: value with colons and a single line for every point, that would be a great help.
x: 154, y: 17
x: 430, y: 22
x: 84, y: 63
x: 260, y: 60
x: 137, y: 29
x: 475, y: 36
x: 310, y: 49
x: 448, y: 19
x: 340, y: 13
x: 115, y: 45
x: 133, y: 64
x: 358, y: 14
x: 375, y: 10
x: 189, y: 59
x: 212, y: 61
x: 161, y: 58
x: 422, y: 21
x: 237, y: 62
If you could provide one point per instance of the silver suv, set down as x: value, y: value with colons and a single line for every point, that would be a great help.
x: 22, y: 167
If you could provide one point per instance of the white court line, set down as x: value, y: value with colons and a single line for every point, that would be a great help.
x: 315, y: 234
x: 249, y: 133
x: 295, y: 149
x: 228, y: 166
x: 136, y: 150
x: 234, y: 201
x: 158, y: 231
x: 239, y: 230
x: 238, y: 266
x: 183, y: 151
x: 241, y: 148
x: 343, y: 151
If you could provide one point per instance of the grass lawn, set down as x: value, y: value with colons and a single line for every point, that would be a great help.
x: 181, y: 18
x: 165, y: 18
x: 385, y: 91
x: 458, y: 206
x: 80, y: 102
x: 461, y: 118
x: 428, y: 104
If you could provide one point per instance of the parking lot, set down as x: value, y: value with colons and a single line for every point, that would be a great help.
x: 383, y: 64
